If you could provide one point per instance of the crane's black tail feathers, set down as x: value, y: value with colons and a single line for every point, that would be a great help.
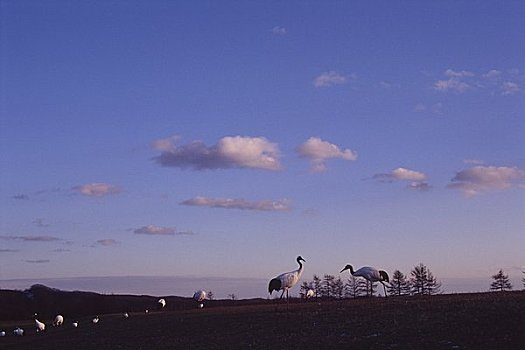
x: 275, y: 284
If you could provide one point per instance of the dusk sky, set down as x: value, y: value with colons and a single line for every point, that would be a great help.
x: 224, y: 138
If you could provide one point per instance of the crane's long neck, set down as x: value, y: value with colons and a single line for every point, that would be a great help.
x: 300, y: 269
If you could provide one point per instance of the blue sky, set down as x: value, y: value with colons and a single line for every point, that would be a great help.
x: 223, y: 139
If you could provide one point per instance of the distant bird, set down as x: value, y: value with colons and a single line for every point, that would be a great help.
x: 201, y: 306
x: 75, y: 324
x: 310, y: 294
x: 18, y: 332
x: 95, y: 320
x: 286, y: 280
x: 162, y: 303
x: 371, y: 274
x: 126, y: 315
x: 59, y: 320
x: 199, y: 295
x: 146, y: 311
x: 40, y: 326
x: 2, y: 333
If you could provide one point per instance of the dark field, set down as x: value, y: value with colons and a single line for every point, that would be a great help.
x: 462, y: 321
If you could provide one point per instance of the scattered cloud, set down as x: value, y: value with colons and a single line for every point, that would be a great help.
x: 9, y: 250
x: 455, y: 82
x: 319, y: 151
x: 473, y: 161
x: 32, y: 238
x: 479, y: 179
x: 228, y: 203
x: 155, y: 230
x: 509, y: 88
x: 61, y: 250
x: 452, y: 84
x: 416, y: 178
x: 277, y: 30
x: 229, y: 152
x: 38, y: 261
x: 457, y: 74
x: 20, y: 196
x: 108, y: 242
x: 96, y: 189
x: 420, y: 107
x: 39, y: 222
x: 492, y: 74
x: 330, y: 78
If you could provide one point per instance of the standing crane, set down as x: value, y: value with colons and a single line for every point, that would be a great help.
x: 286, y: 280
x: 371, y: 274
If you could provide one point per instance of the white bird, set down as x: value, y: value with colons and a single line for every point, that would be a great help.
x: 199, y: 295
x: 18, y: 332
x: 162, y: 303
x: 59, y: 320
x: 147, y: 311
x: 2, y: 333
x: 371, y: 274
x: 95, y: 320
x: 75, y: 324
x: 286, y: 280
x: 201, y: 306
x: 126, y: 315
x: 310, y: 294
x: 40, y: 326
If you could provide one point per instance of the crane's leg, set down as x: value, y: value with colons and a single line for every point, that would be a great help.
x: 282, y: 294
x: 384, y: 288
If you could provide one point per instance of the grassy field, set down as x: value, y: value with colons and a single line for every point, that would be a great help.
x: 462, y: 321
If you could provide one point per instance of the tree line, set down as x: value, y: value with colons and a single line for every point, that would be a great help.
x: 420, y: 282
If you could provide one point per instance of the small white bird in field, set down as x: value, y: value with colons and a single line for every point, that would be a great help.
x: 95, y: 320
x: 201, y: 306
x: 147, y: 311
x: 310, y: 294
x: 286, y: 280
x: 40, y: 326
x: 18, y: 332
x: 59, y: 320
x: 75, y: 324
x: 371, y: 274
x: 162, y: 303
x: 2, y: 333
x: 126, y: 315
x: 199, y: 295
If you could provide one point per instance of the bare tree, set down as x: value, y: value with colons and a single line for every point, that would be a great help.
x: 327, y: 286
x: 501, y: 282
x: 353, y: 288
x: 232, y: 296
x: 399, y: 285
x: 338, y: 288
x: 210, y: 295
x: 316, y: 282
x: 523, y: 280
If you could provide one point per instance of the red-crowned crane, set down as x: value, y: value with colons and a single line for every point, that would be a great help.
x: 286, y: 280
x: 371, y: 274
x: 40, y: 326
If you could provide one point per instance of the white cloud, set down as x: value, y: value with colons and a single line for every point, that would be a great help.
x: 228, y: 203
x: 452, y: 84
x: 97, y: 189
x: 38, y: 261
x: 329, y: 79
x: 479, y: 179
x: 277, y: 30
x: 318, y: 151
x: 229, y: 152
x: 155, y: 230
x: 510, y: 88
x: 492, y: 74
x: 416, y: 178
x: 108, y: 242
x: 32, y: 238
x: 457, y: 74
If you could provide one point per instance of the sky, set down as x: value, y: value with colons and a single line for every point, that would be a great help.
x: 212, y: 139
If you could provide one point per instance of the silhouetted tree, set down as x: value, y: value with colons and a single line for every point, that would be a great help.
x: 232, y: 296
x: 523, y: 280
x: 399, y: 285
x: 423, y: 281
x: 327, y: 286
x: 501, y: 282
x: 210, y: 295
x: 370, y: 287
x: 353, y: 288
x: 338, y: 288
x: 316, y: 282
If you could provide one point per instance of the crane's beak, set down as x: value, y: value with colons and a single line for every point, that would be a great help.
x: 343, y: 269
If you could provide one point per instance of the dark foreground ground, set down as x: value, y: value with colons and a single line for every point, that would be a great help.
x: 463, y: 321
